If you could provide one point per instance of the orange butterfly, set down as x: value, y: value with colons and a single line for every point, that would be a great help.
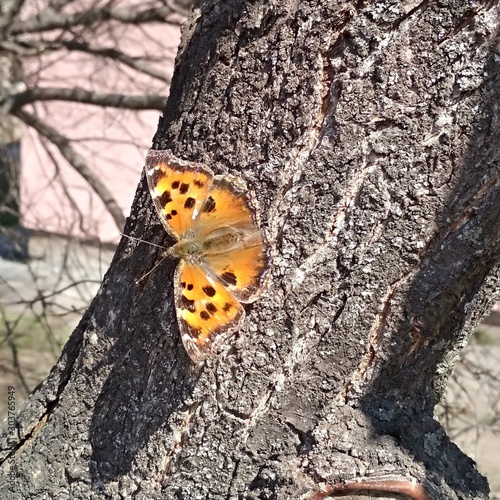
x: 224, y: 255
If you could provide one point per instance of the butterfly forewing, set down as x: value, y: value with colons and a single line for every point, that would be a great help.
x: 178, y: 189
x: 228, y: 204
x: 242, y: 269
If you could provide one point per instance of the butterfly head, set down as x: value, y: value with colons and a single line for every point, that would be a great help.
x: 185, y: 249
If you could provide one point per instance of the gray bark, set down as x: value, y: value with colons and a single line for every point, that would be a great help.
x: 370, y: 134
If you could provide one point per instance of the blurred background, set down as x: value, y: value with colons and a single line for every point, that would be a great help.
x: 82, y: 85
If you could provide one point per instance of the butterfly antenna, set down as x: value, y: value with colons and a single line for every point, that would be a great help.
x: 148, y: 243
x: 143, y: 241
x: 150, y: 271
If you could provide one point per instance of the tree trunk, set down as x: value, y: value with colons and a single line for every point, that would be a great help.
x: 371, y: 137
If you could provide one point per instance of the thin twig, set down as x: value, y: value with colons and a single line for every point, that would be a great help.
x: 117, y: 55
x: 136, y: 102
x: 6, y: 21
x: 50, y: 20
x: 29, y: 48
x: 10, y: 339
x: 67, y: 193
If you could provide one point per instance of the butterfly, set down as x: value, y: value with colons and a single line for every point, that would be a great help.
x: 224, y: 256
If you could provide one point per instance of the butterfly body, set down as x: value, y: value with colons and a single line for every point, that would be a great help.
x: 220, y: 241
x: 223, y: 254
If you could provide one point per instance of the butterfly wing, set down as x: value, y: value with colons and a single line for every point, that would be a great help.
x: 206, y: 312
x: 178, y: 189
x: 243, y: 268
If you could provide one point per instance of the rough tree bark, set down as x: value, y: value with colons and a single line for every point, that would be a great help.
x: 370, y: 133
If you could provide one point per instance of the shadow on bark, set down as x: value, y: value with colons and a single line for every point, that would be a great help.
x: 439, y: 307
x: 147, y: 385
x: 134, y: 412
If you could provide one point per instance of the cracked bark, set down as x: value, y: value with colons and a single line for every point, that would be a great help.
x: 370, y: 134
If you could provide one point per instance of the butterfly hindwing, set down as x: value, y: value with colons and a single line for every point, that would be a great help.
x: 178, y: 189
x: 206, y: 312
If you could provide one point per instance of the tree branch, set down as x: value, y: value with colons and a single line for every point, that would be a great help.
x: 10, y: 15
x: 77, y: 162
x: 176, y: 8
x: 59, y: 4
x: 117, y: 55
x: 19, y: 48
x: 139, y: 102
x: 31, y: 48
x: 50, y: 20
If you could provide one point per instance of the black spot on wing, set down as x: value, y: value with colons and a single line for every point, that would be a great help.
x: 209, y: 290
x: 189, y: 203
x: 187, y: 304
x: 175, y: 184
x: 227, y: 307
x: 165, y: 198
x: 171, y: 214
x: 198, y: 183
x: 229, y: 278
x: 211, y: 308
x: 204, y: 315
x: 190, y: 286
x: 184, y: 188
x: 209, y: 205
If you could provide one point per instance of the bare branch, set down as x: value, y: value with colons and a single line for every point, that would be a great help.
x: 59, y: 4
x: 87, y: 97
x: 117, y: 55
x: 176, y: 8
x: 6, y: 21
x: 64, y: 187
x: 31, y: 48
x: 50, y: 20
x: 21, y: 49
x: 10, y: 339
x: 76, y: 161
